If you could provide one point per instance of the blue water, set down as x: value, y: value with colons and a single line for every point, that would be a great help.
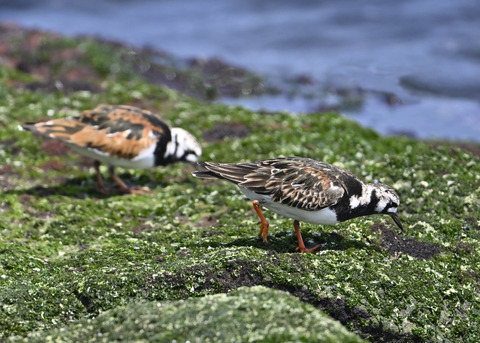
x: 427, y: 52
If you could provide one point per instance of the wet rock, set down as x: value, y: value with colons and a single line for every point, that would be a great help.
x: 397, y: 244
x: 461, y: 84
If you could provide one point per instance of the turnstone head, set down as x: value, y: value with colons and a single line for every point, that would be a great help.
x: 123, y: 136
x: 305, y: 190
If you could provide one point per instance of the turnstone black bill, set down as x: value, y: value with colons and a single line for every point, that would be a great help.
x: 123, y: 136
x: 304, y: 190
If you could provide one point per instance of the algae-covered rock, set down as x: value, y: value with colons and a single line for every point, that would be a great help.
x: 256, y: 314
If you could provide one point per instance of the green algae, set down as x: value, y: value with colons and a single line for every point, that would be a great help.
x: 69, y: 255
x: 256, y: 314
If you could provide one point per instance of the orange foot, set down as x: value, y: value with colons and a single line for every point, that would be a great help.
x: 142, y: 190
x: 124, y: 187
x: 263, y: 222
x: 301, y: 246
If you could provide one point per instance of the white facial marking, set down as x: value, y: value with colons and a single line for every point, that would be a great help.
x: 386, y: 196
x: 181, y: 142
x: 192, y: 158
x: 382, y: 203
x: 356, y: 201
x: 392, y: 210
x: 170, y: 150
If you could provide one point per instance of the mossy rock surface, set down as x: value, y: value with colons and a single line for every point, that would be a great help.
x: 70, y: 255
x: 256, y: 314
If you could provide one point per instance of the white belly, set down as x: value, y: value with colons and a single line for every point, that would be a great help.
x: 323, y: 217
x: 144, y: 160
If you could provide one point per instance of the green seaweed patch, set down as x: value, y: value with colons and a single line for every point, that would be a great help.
x: 246, y: 315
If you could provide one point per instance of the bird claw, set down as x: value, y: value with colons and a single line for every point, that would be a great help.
x: 139, y: 191
x: 307, y: 250
x: 102, y: 189
x: 263, y: 222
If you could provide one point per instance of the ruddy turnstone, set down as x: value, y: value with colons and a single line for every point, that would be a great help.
x: 304, y: 190
x: 123, y: 136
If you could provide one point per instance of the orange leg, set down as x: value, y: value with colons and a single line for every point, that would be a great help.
x: 263, y: 222
x: 100, y: 186
x: 123, y: 186
x: 301, y: 246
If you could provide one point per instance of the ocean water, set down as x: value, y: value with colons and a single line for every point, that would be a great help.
x: 426, y: 52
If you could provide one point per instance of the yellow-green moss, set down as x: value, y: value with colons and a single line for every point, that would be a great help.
x: 256, y: 314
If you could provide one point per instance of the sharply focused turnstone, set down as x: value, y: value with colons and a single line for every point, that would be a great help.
x: 123, y: 136
x: 305, y: 190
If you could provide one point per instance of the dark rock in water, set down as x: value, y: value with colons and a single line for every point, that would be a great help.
x: 405, y: 133
x: 462, y: 85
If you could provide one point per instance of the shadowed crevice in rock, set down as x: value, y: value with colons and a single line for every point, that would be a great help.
x: 239, y: 272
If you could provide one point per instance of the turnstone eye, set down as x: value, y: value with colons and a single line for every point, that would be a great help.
x: 123, y: 136
x: 304, y: 190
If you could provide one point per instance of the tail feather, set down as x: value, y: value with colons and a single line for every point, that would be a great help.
x: 61, y: 129
x: 227, y: 171
x: 29, y: 127
x: 202, y: 172
x: 37, y: 129
x: 205, y: 174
